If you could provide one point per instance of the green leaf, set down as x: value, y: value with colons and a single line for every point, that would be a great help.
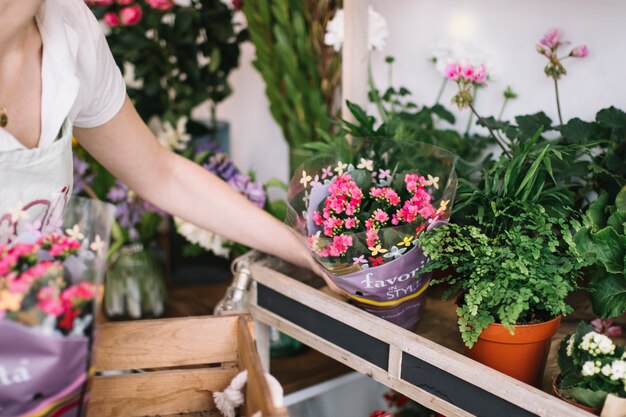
x: 608, y: 295
x: 276, y: 183
x: 578, y: 131
x: 597, y: 211
x: 278, y: 209
x: 620, y: 200
x: 529, y: 124
x: 593, y: 399
x: 612, y: 118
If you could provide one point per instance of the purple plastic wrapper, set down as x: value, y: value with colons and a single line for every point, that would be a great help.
x: 393, y: 291
x: 42, y: 372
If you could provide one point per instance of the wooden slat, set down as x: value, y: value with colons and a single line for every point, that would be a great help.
x: 503, y: 386
x: 357, y: 363
x: 258, y: 396
x: 157, y: 393
x: 166, y: 343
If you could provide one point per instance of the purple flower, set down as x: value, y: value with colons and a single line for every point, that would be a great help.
x: 82, y: 174
x: 239, y: 182
x: 256, y: 194
x: 581, y: 51
x: 130, y: 208
x: 221, y: 166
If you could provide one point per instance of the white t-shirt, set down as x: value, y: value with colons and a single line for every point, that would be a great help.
x: 80, y: 79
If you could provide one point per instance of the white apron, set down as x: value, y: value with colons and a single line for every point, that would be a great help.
x: 35, y: 185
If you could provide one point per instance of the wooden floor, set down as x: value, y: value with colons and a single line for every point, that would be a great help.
x: 311, y: 367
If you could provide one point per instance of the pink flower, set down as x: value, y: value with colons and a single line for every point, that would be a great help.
x: 581, y: 51
x: 551, y: 38
x: 427, y: 212
x: 111, y: 19
x: 350, y: 223
x: 317, y: 218
x: 452, y: 72
x: 49, y: 302
x: 131, y: 15
x: 381, y: 216
x: 467, y: 72
x: 125, y: 2
x: 161, y: 4
x: 359, y: 260
x: 480, y: 75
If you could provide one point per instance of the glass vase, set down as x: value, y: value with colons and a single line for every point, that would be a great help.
x: 135, y: 286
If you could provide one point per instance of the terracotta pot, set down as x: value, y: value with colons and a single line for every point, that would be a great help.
x: 555, y: 390
x: 521, y: 355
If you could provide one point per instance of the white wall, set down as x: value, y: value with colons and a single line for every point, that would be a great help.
x: 506, y: 29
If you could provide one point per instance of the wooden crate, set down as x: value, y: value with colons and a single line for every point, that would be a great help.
x: 438, y: 377
x: 185, y: 360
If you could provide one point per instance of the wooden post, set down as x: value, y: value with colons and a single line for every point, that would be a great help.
x: 354, y: 55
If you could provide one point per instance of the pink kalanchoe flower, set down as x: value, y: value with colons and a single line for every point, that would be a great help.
x: 125, y: 2
x: 551, y: 38
x: 581, y: 51
x: 131, y: 15
x: 480, y: 75
x: 350, y: 223
x: 468, y: 72
x: 452, y: 72
x: 381, y: 216
x: 111, y: 19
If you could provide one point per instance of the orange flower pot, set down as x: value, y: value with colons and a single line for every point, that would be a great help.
x: 521, y: 355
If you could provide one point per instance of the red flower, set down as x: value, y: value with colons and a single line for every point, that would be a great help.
x: 419, y: 229
x: 380, y: 413
x: 376, y: 261
x: 606, y: 327
x: 67, y: 322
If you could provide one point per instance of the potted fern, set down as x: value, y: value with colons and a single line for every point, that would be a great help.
x: 513, y: 259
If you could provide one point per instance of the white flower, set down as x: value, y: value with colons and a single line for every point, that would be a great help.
x: 207, y: 240
x: 75, y: 233
x: 618, y: 370
x: 305, y: 179
x: 129, y: 76
x: 367, y: 164
x: 341, y: 167
x: 448, y: 51
x: 97, y: 245
x: 168, y: 136
x: 182, y: 3
x: 168, y: 19
x: 434, y: 181
x: 395, y: 252
x: 377, y: 30
x: 606, y: 370
x: 589, y: 368
x: 570, y: 345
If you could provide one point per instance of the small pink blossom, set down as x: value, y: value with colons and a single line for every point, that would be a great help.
x: 480, y: 76
x: 49, y: 302
x: 468, y: 72
x: 381, y: 216
x: 125, y: 2
x: 452, y: 72
x: 131, y: 15
x: 111, y: 19
x: 327, y: 172
x: 359, y: 260
x: 581, y: 51
x: 551, y: 38
x: 161, y: 4
x: 350, y: 223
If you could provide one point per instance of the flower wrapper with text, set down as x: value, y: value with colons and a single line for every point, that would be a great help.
x: 360, y: 214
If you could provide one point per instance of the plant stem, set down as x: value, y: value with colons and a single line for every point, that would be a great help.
x: 504, y: 103
x: 558, y: 102
x: 484, y: 122
x: 441, y: 90
x: 376, y: 96
x: 471, y: 118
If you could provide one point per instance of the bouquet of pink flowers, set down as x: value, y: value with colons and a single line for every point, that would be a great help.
x: 361, y: 216
x: 49, y: 283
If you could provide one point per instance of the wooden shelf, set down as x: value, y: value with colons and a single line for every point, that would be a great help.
x: 427, y: 366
